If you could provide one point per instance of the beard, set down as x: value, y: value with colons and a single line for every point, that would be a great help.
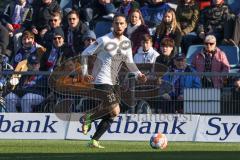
x: 118, y: 33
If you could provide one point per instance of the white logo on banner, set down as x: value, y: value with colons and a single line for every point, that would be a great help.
x: 140, y: 127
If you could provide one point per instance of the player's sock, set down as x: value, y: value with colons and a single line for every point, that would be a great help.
x: 102, y: 127
x: 86, y: 124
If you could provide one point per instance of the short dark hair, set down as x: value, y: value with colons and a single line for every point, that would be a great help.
x: 28, y: 34
x: 146, y: 37
x: 74, y: 12
x: 120, y: 15
x: 56, y: 13
x: 168, y: 42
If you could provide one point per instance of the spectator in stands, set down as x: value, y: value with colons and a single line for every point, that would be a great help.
x: 89, y: 38
x: 146, y: 53
x: 30, y: 90
x: 29, y: 46
x: 168, y: 28
x: 75, y: 32
x: 234, y: 29
x: 54, y: 22
x: 4, y: 39
x: 154, y: 12
x: 136, y: 27
x: 104, y: 9
x: 42, y: 15
x: 211, y: 59
x: 86, y: 9
x: 57, y: 53
x: 127, y: 6
x: 17, y: 17
x: 187, y: 15
x: 212, y: 20
x: 179, y: 82
x: 166, y: 52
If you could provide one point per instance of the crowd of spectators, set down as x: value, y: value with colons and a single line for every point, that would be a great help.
x: 45, y: 33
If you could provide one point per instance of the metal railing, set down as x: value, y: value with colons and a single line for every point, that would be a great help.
x: 68, y: 93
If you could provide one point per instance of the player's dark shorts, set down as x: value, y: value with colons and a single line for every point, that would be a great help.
x: 112, y: 95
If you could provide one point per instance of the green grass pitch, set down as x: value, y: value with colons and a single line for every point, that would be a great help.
x: 114, y: 150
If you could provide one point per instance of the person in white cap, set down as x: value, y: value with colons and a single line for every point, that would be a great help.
x: 211, y: 59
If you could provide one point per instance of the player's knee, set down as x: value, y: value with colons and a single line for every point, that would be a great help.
x: 116, y: 110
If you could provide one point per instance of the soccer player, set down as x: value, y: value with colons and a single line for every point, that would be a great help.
x: 111, y: 50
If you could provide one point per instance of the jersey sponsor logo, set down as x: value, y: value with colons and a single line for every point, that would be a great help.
x: 111, y: 46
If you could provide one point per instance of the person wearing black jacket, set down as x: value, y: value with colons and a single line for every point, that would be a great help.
x: 57, y: 53
x: 74, y: 32
x: 17, y: 16
x: 42, y: 15
x: 166, y: 52
x: 54, y: 22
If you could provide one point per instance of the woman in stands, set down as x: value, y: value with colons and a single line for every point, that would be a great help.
x: 136, y: 27
x: 168, y: 28
x: 211, y: 59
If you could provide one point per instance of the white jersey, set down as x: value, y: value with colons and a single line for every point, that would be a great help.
x: 146, y: 57
x: 111, y: 53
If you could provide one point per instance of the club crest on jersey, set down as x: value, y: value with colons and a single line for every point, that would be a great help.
x: 18, y: 57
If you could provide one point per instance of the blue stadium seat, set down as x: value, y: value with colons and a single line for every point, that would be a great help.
x: 191, y: 51
x: 66, y: 4
x: 102, y: 27
x: 232, y: 53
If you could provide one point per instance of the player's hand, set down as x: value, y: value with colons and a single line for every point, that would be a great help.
x: 88, y: 78
x: 142, y: 78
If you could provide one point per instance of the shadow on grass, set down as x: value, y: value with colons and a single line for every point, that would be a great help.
x: 124, y: 156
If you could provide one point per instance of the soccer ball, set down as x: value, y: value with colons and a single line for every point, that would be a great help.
x: 158, y: 140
